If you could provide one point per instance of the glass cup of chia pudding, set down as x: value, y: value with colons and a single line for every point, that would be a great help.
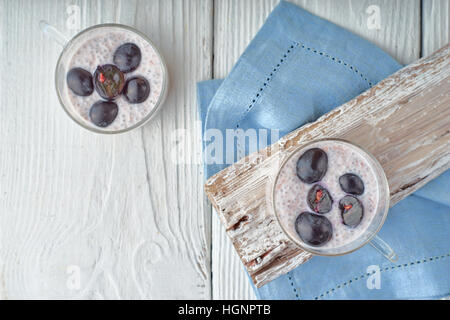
x: 331, y: 197
x: 110, y: 78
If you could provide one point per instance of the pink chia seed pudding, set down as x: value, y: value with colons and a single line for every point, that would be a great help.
x: 291, y: 194
x: 97, y: 48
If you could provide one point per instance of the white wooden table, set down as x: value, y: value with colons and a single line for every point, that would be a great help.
x: 91, y: 216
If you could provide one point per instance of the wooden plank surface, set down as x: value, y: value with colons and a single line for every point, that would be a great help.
x: 236, y: 23
x: 435, y: 25
x: 403, y: 121
x: 162, y: 239
x: 115, y: 210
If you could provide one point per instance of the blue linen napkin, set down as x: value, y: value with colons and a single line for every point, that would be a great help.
x: 298, y: 67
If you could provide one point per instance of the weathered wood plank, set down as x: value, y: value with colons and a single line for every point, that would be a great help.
x: 236, y: 23
x: 436, y: 25
x: 404, y: 122
x: 117, y: 210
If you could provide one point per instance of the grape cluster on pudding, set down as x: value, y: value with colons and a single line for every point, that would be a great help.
x: 114, y: 78
x: 327, y: 195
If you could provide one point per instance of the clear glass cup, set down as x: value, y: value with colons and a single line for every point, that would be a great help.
x: 369, y: 235
x: 62, y: 67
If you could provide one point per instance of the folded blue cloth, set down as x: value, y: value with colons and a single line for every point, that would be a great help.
x: 297, y: 68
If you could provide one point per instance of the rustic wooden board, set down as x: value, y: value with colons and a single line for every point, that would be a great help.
x: 117, y: 211
x: 404, y: 122
x: 236, y: 23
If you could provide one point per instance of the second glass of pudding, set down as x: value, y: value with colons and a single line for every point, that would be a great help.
x: 331, y: 197
x: 110, y: 78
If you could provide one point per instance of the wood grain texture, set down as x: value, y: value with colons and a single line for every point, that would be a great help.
x: 435, y: 25
x: 236, y: 23
x: 134, y: 222
x: 117, y: 207
x: 403, y: 121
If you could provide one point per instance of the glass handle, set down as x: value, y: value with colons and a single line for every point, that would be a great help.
x: 53, y: 33
x: 383, y: 248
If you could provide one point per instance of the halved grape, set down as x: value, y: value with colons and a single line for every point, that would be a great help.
x: 80, y: 82
x: 137, y: 89
x: 103, y: 113
x: 319, y: 199
x: 352, y: 211
x: 109, y: 81
x: 312, y: 165
x: 313, y: 229
x: 127, y: 57
x: 351, y: 183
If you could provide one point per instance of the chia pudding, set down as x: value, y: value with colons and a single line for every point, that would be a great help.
x: 327, y: 194
x: 116, y: 79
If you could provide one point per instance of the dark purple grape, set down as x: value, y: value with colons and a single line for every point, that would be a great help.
x: 109, y: 81
x: 351, y: 183
x: 352, y: 211
x: 127, y: 57
x: 136, y: 90
x: 313, y: 229
x: 312, y: 165
x: 80, y: 82
x: 103, y: 113
x: 319, y: 199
